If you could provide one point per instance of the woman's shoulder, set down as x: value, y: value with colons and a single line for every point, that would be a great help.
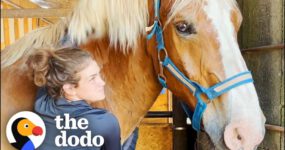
x: 42, y: 98
x: 42, y: 91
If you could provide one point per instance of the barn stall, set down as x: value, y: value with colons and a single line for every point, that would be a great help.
x: 261, y: 38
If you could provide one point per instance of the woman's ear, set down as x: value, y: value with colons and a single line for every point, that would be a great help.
x: 69, y: 90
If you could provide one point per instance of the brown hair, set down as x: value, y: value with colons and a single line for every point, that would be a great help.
x: 53, y: 69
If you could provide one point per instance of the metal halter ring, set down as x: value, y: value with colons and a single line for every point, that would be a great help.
x: 161, y: 67
x: 165, y: 55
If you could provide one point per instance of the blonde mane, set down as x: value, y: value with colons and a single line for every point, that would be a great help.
x: 47, y: 37
x: 122, y: 21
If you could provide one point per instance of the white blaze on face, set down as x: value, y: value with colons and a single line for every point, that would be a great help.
x: 244, y: 110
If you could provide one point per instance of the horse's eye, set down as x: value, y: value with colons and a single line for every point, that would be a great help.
x: 185, y: 28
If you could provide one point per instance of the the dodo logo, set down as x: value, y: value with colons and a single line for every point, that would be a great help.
x: 25, y: 130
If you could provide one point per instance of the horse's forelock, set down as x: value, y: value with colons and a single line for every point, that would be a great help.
x: 179, y: 5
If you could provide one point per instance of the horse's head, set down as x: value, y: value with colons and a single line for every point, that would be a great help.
x: 201, y: 39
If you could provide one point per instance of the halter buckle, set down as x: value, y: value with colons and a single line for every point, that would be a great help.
x: 158, y: 20
x: 162, y: 80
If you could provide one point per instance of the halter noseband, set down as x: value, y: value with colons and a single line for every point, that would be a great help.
x: 197, y: 89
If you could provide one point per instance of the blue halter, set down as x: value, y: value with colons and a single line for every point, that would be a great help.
x: 195, y: 88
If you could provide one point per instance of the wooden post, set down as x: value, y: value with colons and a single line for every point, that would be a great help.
x: 184, y: 136
x: 34, y: 13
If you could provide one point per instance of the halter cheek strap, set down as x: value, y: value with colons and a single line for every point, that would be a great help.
x: 195, y: 88
x: 211, y: 92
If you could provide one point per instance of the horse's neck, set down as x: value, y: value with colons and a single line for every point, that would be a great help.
x: 131, y: 83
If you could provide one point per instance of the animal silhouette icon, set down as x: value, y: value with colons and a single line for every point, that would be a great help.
x: 22, y: 128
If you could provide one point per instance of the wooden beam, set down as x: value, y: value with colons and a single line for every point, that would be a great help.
x: 274, y: 128
x: 20, y: 7
x: 6, y: 28
x: 47, y: 4
x: 266, y: 47
x: 55, y: 3
x: 34, y: 13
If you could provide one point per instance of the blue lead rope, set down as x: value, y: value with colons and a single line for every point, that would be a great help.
x: 195, y: 88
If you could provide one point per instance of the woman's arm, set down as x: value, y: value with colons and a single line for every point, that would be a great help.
x: 107, y: 126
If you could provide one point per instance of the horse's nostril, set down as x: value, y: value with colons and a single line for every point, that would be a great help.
x: 242, y: 135
x: 239, y: 137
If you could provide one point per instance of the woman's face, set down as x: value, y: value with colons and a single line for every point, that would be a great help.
x: 90, y: 86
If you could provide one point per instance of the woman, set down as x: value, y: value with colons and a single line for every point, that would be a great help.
x: 69, y: 79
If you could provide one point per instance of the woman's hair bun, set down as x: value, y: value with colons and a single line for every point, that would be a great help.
x: 39, y: 63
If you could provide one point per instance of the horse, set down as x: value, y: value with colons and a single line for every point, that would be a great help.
x: 200, y: 37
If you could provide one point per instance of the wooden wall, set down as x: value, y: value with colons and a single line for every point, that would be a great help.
x: 263, y: 24
x: 156, y: 133
x: 15, y: 28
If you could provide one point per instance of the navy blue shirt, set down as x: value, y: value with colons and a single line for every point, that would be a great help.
x: 100, y: 122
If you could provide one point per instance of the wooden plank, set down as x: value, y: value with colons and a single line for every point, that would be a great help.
x: 170, y: 105
x: 2, y: 42
x: 2, y: 45
x: 21, y: 27
x: 11, y: 30
x: 34, y: 23
x: 6, y: 28
x: 2, y: 34
x: 2, y: 30
x: 26, y: 25
x: 16, y: 29
x: 22, y: 3
x: 30, y: 24
x: 153, y: 137
x: 42, y: 23
x: 266, y: 47
x: 34, y: 13
x: 274, y: 128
